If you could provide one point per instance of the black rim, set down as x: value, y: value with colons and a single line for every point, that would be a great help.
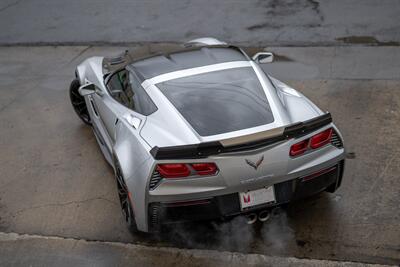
x: 78, y: 102
x: 126, y: 207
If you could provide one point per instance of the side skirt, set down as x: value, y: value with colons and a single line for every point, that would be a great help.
x: 104, y: 149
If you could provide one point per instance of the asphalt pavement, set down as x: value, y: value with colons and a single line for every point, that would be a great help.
x: 56, y: 185
x: 251, y: 22
x: 54, y: 180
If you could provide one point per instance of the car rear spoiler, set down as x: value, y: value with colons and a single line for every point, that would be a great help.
x: 204, y: 150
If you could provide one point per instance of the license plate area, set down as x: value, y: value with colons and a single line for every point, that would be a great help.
x: 257, y: 197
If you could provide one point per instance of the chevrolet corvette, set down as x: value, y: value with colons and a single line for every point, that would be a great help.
x: 202, y: 132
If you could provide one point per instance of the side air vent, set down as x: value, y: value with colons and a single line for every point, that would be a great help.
x: 154, y: 210
x: 336, y: 141
x: 155, y: 180
x: 154, y: 215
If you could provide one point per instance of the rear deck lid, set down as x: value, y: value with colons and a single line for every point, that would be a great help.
x: 254, y: 141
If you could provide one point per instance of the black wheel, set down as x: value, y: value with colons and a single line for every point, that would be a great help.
x: 78, y: 102
x: 124, y: 199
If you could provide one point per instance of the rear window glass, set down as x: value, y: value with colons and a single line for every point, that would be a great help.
x: 220, y: 101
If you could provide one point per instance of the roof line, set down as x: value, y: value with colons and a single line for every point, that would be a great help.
x: 187, y: 49
x: 194, y: 71
x: 128, y: 56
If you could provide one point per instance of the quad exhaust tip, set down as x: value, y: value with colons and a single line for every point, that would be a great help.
x: 263, y: 216
x: 251, y: 218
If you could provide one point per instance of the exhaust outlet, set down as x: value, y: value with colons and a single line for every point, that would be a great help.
x: 263, y: 216
x: 251, y: 218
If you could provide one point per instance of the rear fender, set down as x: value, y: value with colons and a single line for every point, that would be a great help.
x: 298, y: 107
x: 136, y: 163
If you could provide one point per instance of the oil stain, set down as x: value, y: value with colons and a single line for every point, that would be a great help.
x: 261, y: 26
x: 365, y: 40
x: 351, y: 155
x: 277, y: 9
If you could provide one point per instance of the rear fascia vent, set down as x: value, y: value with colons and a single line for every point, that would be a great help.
x: 155, y: 180
x: 335, y: 140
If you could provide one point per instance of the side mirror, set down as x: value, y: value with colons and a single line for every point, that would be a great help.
x: 263, y: 57
x: 87, y: 89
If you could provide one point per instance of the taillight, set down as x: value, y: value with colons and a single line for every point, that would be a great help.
x: 173, y: 170
x: 316, y: 141
x: 205, y: 168
x: 321, y: 138
x: 298, y: 148
x: 181, y: 170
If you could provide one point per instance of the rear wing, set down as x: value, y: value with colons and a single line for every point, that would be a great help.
x: 203, y: 150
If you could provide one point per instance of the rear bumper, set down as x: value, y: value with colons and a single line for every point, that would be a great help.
x: 229, y: 205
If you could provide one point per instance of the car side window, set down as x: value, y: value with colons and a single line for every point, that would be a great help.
x: 116, y: 86
x: 125, y: 87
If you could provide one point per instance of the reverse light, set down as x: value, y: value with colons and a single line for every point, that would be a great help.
x: 321, y: 139
x: 173, y: 170
x: 205, y: 168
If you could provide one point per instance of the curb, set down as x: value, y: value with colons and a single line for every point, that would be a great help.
x: 22, y: 249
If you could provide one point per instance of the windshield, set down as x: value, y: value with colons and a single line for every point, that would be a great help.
x: 220, y: 101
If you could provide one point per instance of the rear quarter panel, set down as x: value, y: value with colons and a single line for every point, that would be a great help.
x: 133, y: 155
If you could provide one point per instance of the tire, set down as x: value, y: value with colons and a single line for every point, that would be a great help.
x: 125, y: 201
x: 78, y: 102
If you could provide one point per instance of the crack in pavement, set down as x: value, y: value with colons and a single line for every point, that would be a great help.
x: 10, y: 5
x: 79, y: 54
x: 16, y: 213
x: 387, y: 164
x: 35, y: 86
x: 19, y: 96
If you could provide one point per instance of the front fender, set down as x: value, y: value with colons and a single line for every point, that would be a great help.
x: 90, y: 70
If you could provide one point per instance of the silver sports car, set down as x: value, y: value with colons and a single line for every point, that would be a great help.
x: 202, y: 132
